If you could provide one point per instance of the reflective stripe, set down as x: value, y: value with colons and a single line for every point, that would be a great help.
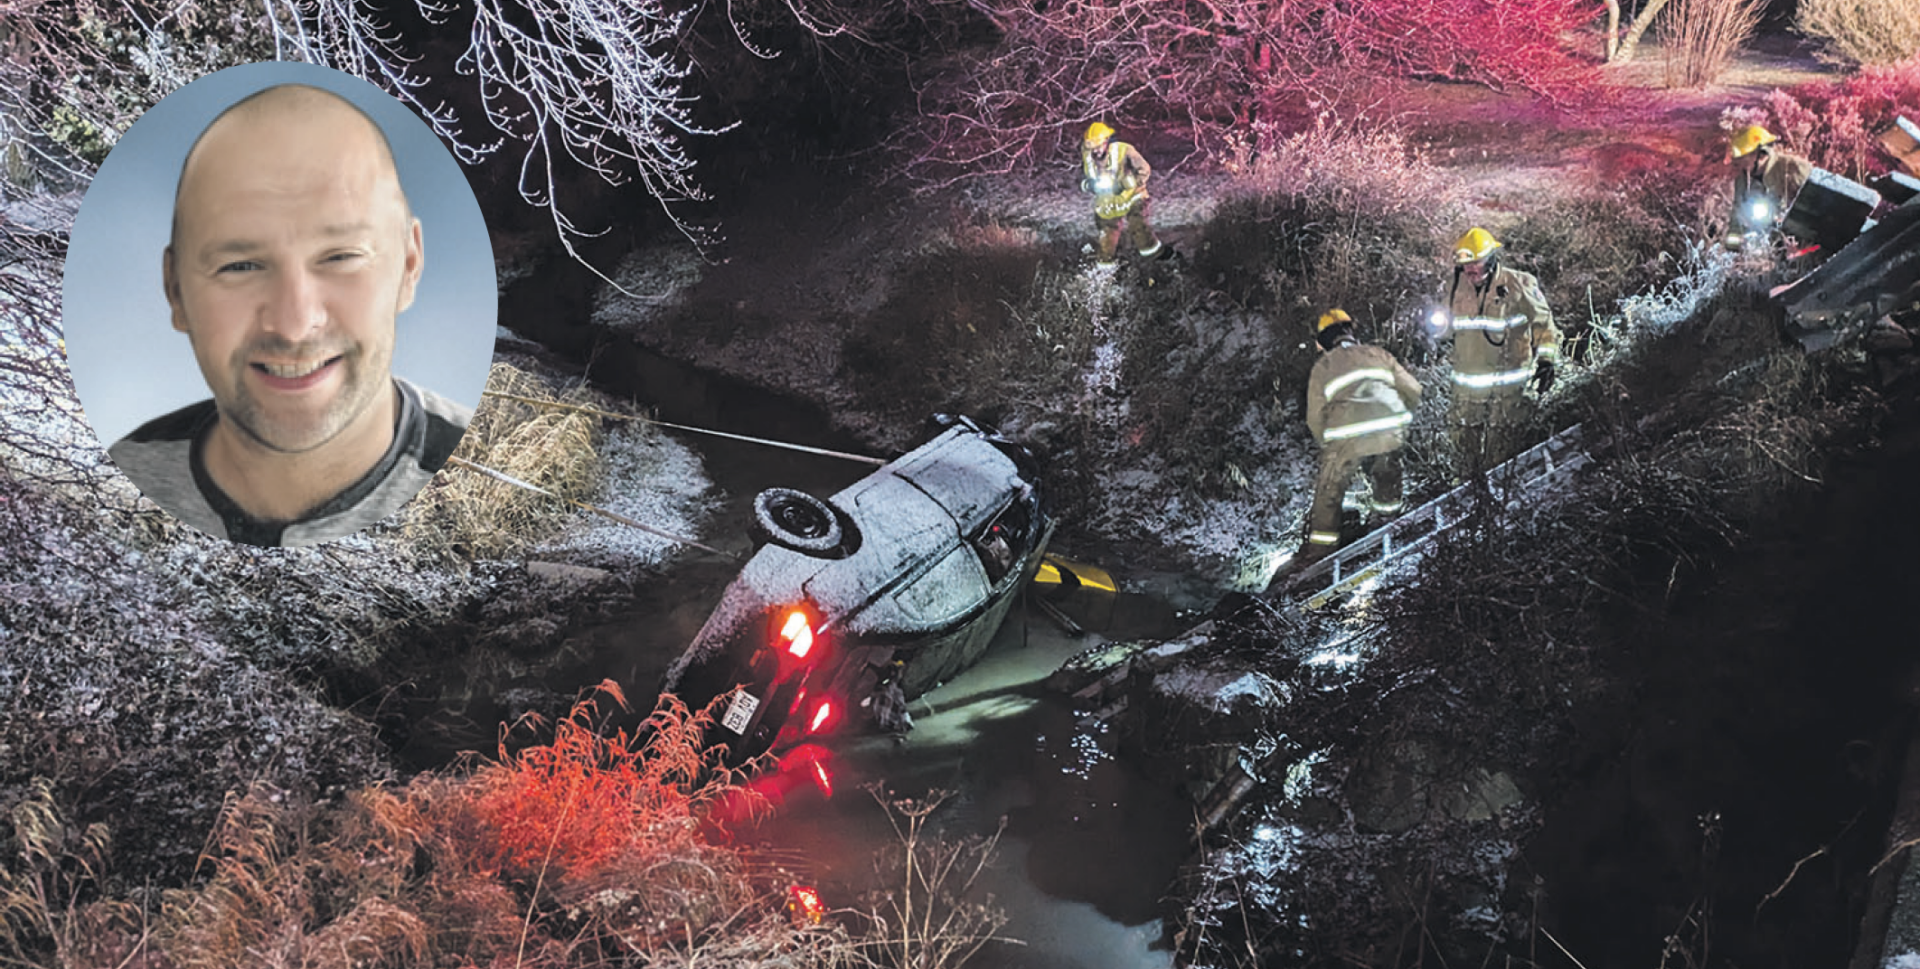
x: 1116, y: 155
x: 1481, y: 381
x: 1152, y: 249
x: 1388, y: 508
x: 1487, y: 323
x: 1346, y: 380
x: 1547, y: 353
x: 1374, y: 426
x: 1324, y: 538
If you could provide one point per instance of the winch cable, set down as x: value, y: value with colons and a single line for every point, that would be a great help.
x: 862, y: 458
x: 506, y: 478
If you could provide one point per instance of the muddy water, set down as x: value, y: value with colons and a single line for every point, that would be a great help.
x: 1088, y: 846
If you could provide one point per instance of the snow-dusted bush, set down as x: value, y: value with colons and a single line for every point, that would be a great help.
x: 578, y: 449
x: 1834, y: 123
x: 119, y: 690
x: 1346, y: 215
x: 1863, y: 31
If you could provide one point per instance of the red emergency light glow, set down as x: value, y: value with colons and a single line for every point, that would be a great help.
x: 822, y: 717
x: 821, y: 778
x: 797, y: 634
x: 805, y: 904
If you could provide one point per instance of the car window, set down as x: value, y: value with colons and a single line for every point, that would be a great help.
x: 1002, y: 541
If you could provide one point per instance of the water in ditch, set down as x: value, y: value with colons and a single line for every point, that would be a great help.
x: 1086, y: 846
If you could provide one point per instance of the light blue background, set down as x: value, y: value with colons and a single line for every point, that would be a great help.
x: 130, y: 365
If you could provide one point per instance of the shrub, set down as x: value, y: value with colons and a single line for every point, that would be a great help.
x: 1863, y: 31
x: 1834, y: 122
x: 1595, y: 248
x: 1348, y: 215
x: 926, y: 916
x: 1702, y: 36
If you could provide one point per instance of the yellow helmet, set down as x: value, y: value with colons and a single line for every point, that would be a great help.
x: 1330, y: 318
x: 1476, y: 245
x: 1749, y: 138
x: 1097, y: 132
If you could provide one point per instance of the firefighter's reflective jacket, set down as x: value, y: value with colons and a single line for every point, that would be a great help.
x: 1361, y: 395
x: 1117, y: 177
x: 1501, y: 329
x: 1775, y: 176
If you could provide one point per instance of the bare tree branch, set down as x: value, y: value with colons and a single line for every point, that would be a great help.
x: 1204, y: 69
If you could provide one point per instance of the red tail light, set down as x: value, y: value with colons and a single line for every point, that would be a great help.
x: 806, y: 905
x: 797, y: 634
x: 809, y: 762
x: 822, y: 717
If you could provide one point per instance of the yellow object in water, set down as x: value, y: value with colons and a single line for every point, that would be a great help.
x: 1062, y: 575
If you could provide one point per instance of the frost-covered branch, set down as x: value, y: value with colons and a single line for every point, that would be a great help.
x: 1203, y: 69
x: 43, y: 435
x: 579, y: 86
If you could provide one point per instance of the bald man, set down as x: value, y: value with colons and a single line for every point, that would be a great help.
x: 293, y: 252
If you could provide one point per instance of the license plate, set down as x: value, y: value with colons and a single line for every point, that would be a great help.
x: 740, y: 712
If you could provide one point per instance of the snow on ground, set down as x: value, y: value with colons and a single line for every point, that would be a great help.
x: 654, y: 275
x: 1056, y: 210
x: 649, y: 477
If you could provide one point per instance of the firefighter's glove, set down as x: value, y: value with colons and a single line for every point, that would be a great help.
x: 1543, y: 375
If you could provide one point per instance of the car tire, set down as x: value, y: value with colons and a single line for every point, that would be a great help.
x: 797, y: 520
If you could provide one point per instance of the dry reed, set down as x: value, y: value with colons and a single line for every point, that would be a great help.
x: 1703, y: 35
x: 552, y: 448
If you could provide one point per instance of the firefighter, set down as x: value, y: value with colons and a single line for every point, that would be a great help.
x: 1504, y: 340
x: 1765, y: 180
x: 1359, y: 402
x: 1115, y: 174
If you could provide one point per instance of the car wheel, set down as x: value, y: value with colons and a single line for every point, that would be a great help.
x: 796, y: 520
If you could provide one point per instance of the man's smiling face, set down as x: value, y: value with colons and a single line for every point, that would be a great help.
x: 293, y: 252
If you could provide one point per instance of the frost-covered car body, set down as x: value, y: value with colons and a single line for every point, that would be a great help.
x: 858, y: 603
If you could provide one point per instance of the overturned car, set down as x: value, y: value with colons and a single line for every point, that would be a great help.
x: 1875, y: 275
x: 855, y: 604
x: 1873, y: 272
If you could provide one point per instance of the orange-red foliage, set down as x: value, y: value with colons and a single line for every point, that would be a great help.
x: 583, y: 851
x: 586, y: 799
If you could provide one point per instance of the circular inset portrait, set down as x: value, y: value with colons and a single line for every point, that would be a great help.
x: 280, y: 304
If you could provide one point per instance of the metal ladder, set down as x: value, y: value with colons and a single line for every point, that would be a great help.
x: 1399, y: 543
